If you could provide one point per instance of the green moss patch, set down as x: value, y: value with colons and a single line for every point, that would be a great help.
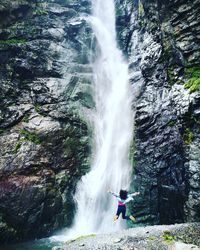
x: 25, y: 119
x: 13, y: 41
x: 170, y: 75
x: 18, y: 145
x: 168, y: 237
x: 37, y: 108
x: 79, y: 238
x: 171, y: 123
x: 193, y: 72
x: 26, y: 136
x: 193, y: 84
x: 30, y: 136
x: 188, y: 136
x: 140, y: 8
x: 41, y: 11
x: 152, y: 238
x: 193, y: 76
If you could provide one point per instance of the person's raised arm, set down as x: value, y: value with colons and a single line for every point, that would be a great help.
x: 134, y: 194
x: 114, y: 194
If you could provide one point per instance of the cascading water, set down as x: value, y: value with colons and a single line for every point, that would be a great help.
x: 113, y: 131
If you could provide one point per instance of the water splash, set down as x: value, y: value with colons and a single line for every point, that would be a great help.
x: 113, y: 131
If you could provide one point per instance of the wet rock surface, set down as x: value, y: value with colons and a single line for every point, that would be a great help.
x: 182, y: 236
x: 45, y: 90
x: 162, y: 44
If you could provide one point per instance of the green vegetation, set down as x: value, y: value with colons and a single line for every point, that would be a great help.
x: 192, y: 78
x: 26, y: 136
x: 165, y: 58
x: 140, y: 8
x: 168, y: 237
x: 170, y: 75
x: 18, y: 146
x: 79, y: 238
x: 152, y: 237
x: 193, y: 71
x: 188, y: 136
x: 13, y: 41
x: 171, y: 123
x: 30, y: 136
x: 193, y: 85
x: 193, y: 74
x: 25, y: 118
x: 41, y: 11
x: 37, y: 107
x: 167, y: 50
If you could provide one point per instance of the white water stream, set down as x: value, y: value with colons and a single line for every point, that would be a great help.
x: 113, y: 131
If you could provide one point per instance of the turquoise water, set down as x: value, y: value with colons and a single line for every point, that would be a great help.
x: 44, y: 244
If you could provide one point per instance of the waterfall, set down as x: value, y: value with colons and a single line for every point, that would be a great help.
x: 113, y: 131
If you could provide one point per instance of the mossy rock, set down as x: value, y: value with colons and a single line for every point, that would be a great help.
x: 193, y: 76
x: 41, y: 11
x: 171, y: 76
x: 188, y: 136
x: 79, y: 238
x: 30, y: 136
x: 171, y: 123
x: 12, y: 41
x: 140, y: 8
x: 193, y: 72
x: 26, y: 136
x: 193, y: 84
x: 168, y: 237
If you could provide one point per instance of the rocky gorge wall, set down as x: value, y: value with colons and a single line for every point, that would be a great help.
x: 46, y: 95
x: 45, y: 137
x: 162, y: 39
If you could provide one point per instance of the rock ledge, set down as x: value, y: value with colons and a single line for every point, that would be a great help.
x: 163, y: 237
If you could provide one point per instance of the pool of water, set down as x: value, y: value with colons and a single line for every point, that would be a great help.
x: 43, y: 244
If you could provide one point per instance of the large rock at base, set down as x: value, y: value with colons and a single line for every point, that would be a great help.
x: 145, y: 238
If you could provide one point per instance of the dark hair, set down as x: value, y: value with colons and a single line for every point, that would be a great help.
x: 123, y: 194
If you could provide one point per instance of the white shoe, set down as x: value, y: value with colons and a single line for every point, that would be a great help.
x: 115, y: 218
x: 132, y: 218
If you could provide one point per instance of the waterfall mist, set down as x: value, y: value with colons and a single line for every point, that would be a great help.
x: 113, y: 128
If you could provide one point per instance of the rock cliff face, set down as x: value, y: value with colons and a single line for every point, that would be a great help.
x: 162, y: 39
x: 46, y: 95
x: 45, y: 91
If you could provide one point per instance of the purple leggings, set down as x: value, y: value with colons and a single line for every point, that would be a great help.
x: 122, y: 210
